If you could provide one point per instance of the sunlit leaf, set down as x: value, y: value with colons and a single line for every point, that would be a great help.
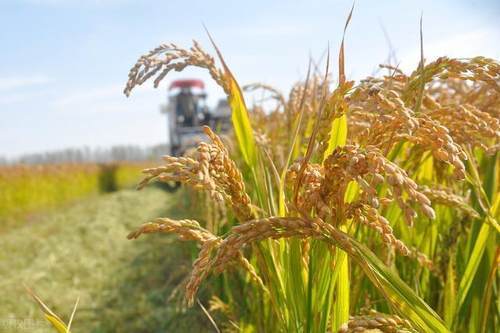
x: 239, y: 114
x: 403, y: 299
x: 450, y: 294
x: 51, y: 317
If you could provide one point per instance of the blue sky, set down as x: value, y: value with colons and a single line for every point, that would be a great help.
x: 63, y: 63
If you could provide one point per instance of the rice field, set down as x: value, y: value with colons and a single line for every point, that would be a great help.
x: 28, y: 189
x: 348, y: 206
x: 338, y: 206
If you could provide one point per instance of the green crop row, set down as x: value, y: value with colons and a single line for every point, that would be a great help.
x: 26, y: 189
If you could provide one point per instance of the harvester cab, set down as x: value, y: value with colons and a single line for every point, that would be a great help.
x: 187, y: 113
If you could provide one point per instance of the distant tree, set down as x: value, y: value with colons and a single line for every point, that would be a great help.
x: 91, y: 155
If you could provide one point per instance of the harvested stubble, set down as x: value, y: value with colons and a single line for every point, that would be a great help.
x: 343, y: 176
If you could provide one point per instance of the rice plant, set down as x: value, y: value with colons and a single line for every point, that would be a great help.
x: 349, y: 206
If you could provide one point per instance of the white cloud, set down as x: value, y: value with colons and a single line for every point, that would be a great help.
x: 466, y: 45
x: 105, y: 99
x: 8, y: 83
x: 21, y: 97
x: 86, y: 96
x: 463, y: 45
x: 271, y: 30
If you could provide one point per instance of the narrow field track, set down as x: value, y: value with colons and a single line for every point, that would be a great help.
x: 82, y: 251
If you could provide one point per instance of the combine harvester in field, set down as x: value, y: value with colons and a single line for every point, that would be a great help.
x: 187, y: 112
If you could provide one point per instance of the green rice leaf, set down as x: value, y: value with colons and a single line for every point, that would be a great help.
x: 337, y: 106
x: 241, y: 122
x: 338, y: 135
x: 402, y: 298
x: 450, y: 293
x: 486, y: 231
x: 473, y: 263
x: 57, y: 323
x: 51, y: 317
x: 488, y: 291
x: 342, y: 286
x: 239, y: 114
x: 338, y: 138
